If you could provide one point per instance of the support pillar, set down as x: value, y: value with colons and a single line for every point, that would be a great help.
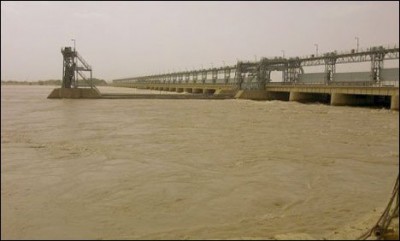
x: 204, y: 76
x: 227, y: 75
x: 180, y: 78
x: 377, y: 58
x: 394, y: 102
x: 194, y: 76
x: 238, y: 75
x: 214, y: 74
x: 187, y: 77
x: 262, y: 74
x: 330, y: 67
x: 294, y: 70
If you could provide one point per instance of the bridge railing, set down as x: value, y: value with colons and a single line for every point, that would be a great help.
x: 336, y: 83
x: 256, y: 85
x: 384, y: 83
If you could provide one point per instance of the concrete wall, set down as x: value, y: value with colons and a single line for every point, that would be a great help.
x: 352, y: 76
x: 315, y: 78
x: 390, y: 74
x: 312, y: 78
x: 390, y: 77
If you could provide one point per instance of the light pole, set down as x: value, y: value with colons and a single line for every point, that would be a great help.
x: 74, y: 43
x: 283, y: 52
x: 316, y: 45
x: 358, y: 42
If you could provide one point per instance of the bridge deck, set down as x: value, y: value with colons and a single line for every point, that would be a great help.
x: 337, y: 95
x: 323, y: 89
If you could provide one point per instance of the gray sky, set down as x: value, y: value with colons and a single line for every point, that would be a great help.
x: 126, y: 39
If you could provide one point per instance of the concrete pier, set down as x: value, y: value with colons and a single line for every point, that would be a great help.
x: 74, y: 93
x: 164, y: 96
x: 394, y: 102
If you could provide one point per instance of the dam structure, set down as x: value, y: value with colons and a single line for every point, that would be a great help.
x: 252, y: 79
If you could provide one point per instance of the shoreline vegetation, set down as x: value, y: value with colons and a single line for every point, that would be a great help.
x: 55, y: 82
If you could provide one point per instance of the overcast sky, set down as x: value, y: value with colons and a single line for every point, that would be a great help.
x: 126, y: 39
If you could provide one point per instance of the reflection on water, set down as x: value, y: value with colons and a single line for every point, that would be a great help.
x: 189, y: 169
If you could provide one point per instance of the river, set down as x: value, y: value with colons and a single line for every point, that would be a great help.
x: 190, y: 169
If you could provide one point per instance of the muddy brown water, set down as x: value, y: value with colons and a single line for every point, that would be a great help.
x: 189, y: 169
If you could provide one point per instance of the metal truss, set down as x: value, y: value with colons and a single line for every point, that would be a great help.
x: 291, y: 68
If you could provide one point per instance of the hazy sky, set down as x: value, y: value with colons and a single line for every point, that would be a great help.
x: 126, y: 39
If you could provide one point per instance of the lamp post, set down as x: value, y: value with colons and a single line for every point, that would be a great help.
x: 316, y: 45
x: 283, y: 53
x: 358, y: 42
